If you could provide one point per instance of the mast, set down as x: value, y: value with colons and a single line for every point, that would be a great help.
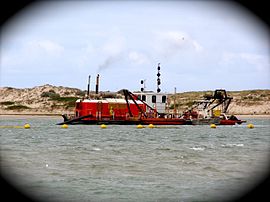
x: 158, y: 79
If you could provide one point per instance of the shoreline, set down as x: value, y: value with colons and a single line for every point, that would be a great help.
x: 243, y: 116
x: 31, y: 115
x: 239, y: 116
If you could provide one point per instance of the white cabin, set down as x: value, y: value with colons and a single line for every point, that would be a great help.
x: 157, y: 101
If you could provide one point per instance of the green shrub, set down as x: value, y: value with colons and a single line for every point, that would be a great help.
x: 64, y: 99
x: 7, y: 103
x: 256, y: 99
x: 177, y: 105
x: 69, y: 104
x: 80, y: 93
x: 207, y: 96
x: 17, y: 107
x: 50, y: 94
x: 190, y: 103
x: 46, y: 94
x: 55, y: 96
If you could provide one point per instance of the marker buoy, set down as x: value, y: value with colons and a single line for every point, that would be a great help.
x: 64, y: 126
x: 103, y: 126
x: 27, y: 126
x: 151, y: 126
x: 213, y: 125
x: 250, y: 126
x: 140, y: 126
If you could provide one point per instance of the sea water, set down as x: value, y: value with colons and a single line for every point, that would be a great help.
x: 123, y: 163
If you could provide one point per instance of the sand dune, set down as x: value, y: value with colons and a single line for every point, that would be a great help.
x: 56, y: 100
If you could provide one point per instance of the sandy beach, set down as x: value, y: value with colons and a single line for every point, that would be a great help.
x: 54, y: 116
x: 243, y: 116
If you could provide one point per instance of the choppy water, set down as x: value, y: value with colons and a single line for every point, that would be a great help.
x: 123, y: 163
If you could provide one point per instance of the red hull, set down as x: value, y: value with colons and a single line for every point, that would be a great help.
x: 227, y: 122
x: 230, y: 122
x: 164, y: 121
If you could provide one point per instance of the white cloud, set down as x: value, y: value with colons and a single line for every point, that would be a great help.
x: 197, y: 46
x: 172, y: 42
x: 138, y: 58
x: 259, y: 62
x: 228, y: 57
x: 174, y: 38
x: 33, y: 54
x: 114, y: 46
x: 44, y: 46
x: 50, y: 46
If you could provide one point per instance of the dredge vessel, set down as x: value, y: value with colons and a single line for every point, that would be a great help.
x: 148, y: 107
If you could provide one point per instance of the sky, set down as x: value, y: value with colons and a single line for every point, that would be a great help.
x: 200, y: 45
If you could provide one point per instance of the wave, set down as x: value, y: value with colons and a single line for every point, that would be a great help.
x: 96, y: 149
x: 233, y: 145
x: 197, y: 148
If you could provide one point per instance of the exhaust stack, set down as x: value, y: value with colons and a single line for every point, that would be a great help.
x: 88, y: 87
x: 97, y: 84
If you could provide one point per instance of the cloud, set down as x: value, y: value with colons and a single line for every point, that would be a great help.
x: 197, y: 46
x: 44, y: 46
x: 259, y: 62
x: 114, y: 46
x: 172, y: 42
x: 138, y: 58
x: 31, y: 52
x: 50, y: 46
x: 113, y: 51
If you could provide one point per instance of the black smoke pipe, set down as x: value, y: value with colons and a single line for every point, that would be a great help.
x: 97, y: 84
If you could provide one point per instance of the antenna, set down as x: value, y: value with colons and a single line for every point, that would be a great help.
x: 158, y: 79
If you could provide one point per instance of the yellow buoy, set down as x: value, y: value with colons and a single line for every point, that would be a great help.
x: 27, y: 126
x: 103, y: 126
x: 213, y: 125
x: 151, y: 126
x: 250, y: 126
x: 140, y: 126
x: 64, y: 126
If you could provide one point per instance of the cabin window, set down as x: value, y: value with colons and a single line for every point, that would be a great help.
x: 143, y: 98
x: 139, y: 97
x: 154, y: 99
x: 164, y: 99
